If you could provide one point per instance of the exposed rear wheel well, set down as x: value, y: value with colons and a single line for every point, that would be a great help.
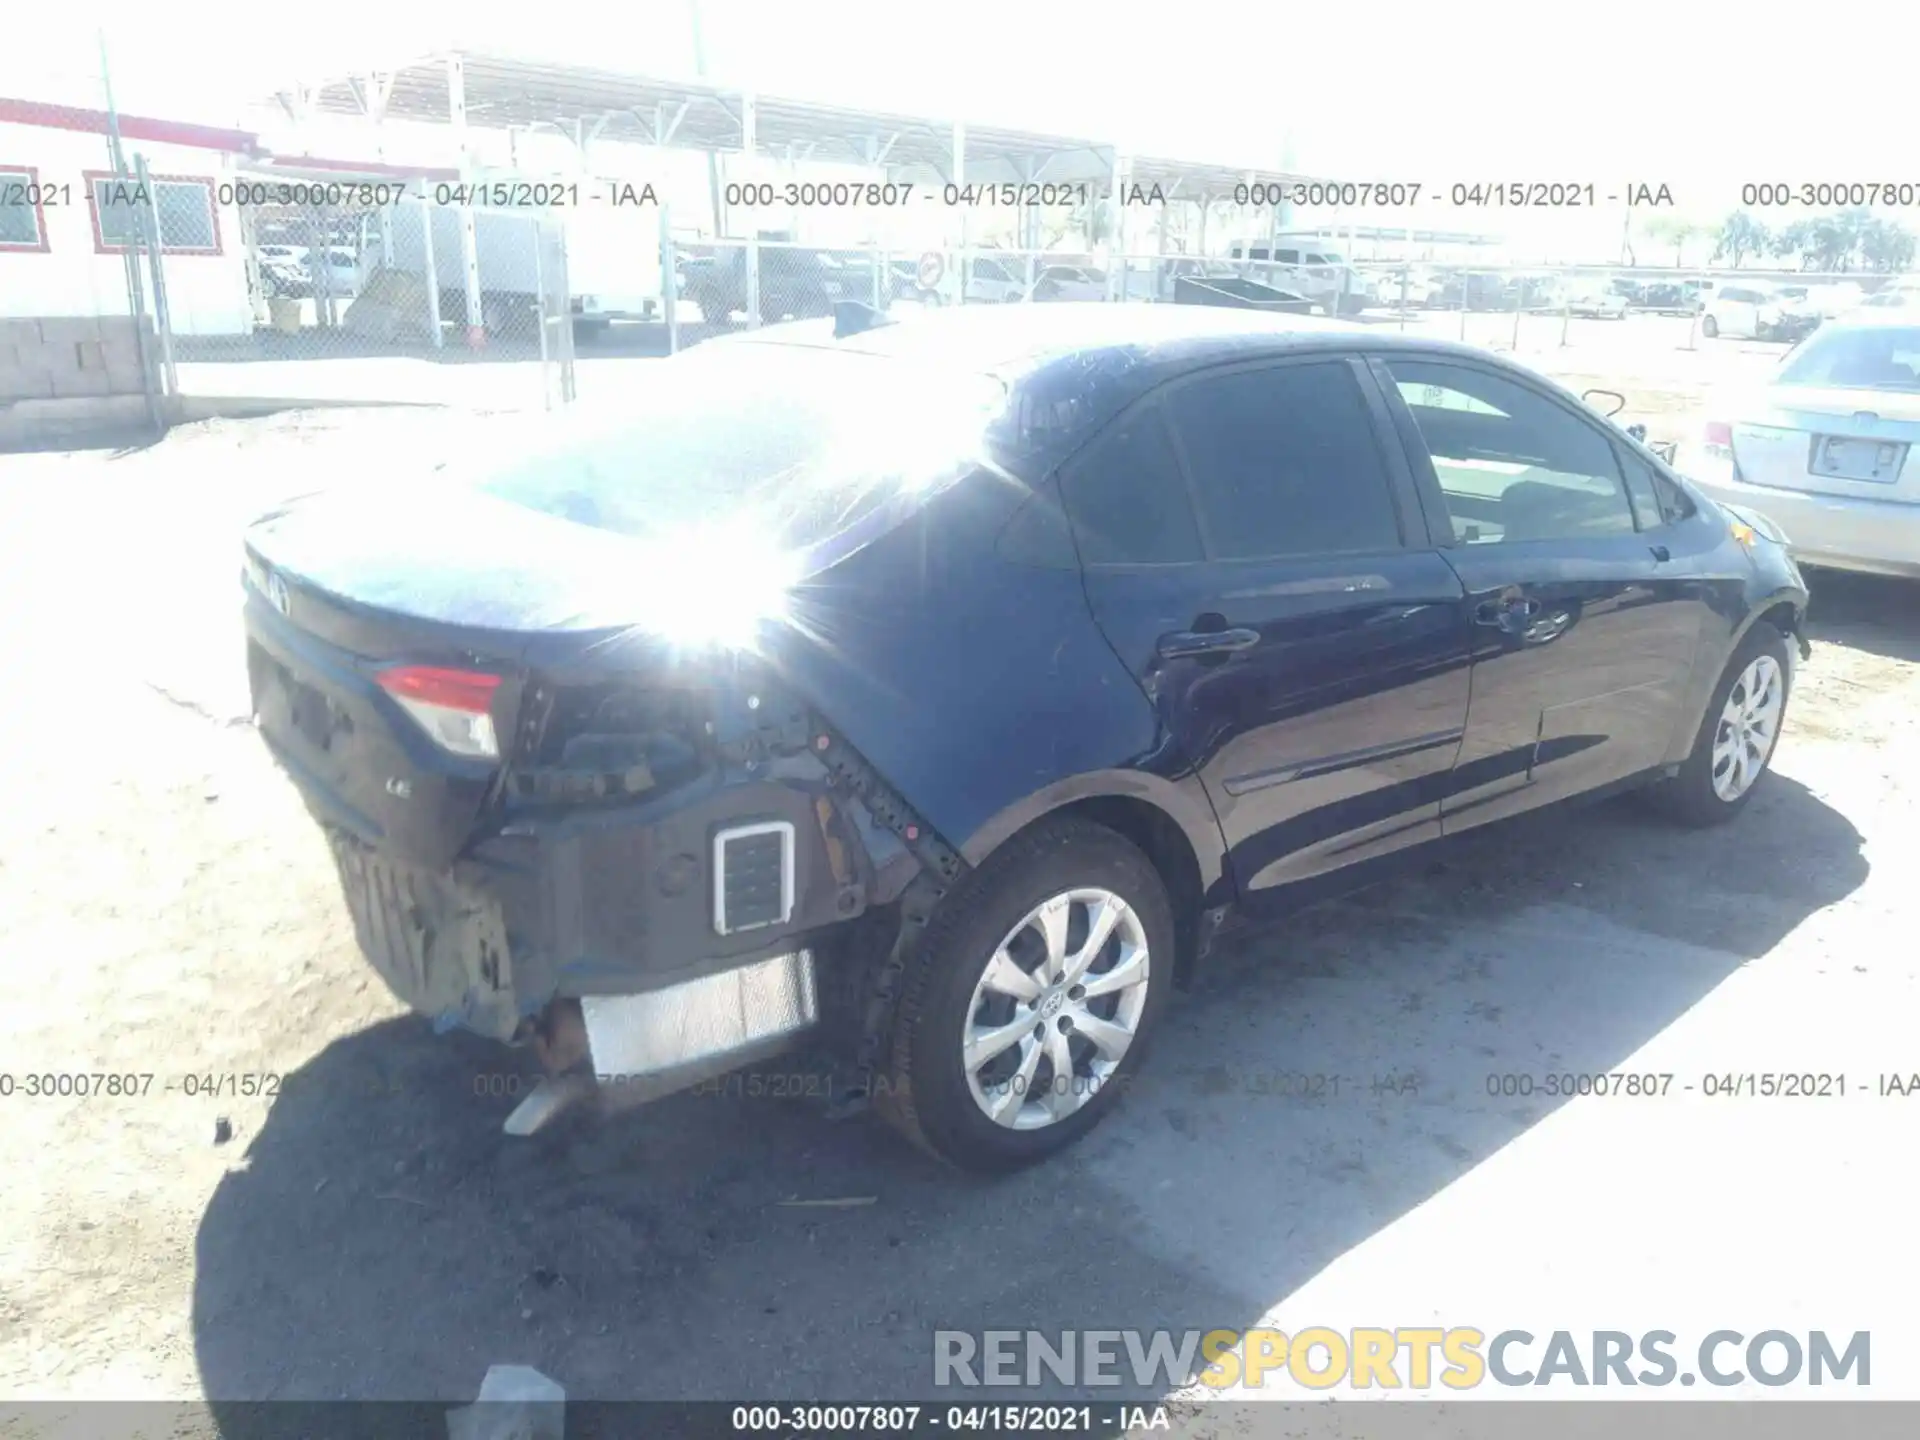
x: 1160, y: 838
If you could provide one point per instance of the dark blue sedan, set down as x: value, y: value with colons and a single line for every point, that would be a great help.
x: 935, y: 688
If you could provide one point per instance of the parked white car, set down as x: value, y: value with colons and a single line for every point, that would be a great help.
x: 995, y: 281
x: 336, y: 268
x: 1308, y: 267
x: 1827, y: 450
x: 1594, y: 300
x: 1901, y: 295
x: 1742, y: 312
x: 1833, y: 301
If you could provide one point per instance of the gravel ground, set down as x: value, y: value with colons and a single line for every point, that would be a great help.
x: 168, y: 909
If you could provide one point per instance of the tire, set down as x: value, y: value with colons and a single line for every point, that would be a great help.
x: 1710, y: 328
x: 1691, y: 796
x: 928, y: 1092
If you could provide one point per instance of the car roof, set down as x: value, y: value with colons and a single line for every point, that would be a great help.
x: 1102, y: 357
x: 1016, y: 337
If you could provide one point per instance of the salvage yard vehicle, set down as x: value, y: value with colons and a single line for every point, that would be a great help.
x: 939, y: 685
x: 1827, y: 447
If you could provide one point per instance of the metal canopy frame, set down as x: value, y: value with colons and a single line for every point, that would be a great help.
x: 587, y: 104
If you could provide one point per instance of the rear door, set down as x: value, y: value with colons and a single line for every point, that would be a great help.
x: 1254, y: 550
x: 1586, y: 615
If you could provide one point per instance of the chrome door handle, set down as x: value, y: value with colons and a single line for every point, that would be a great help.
x: 1183, y: 644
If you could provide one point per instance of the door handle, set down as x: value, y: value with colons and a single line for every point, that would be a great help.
x: 1183, y: 644
x: 1506, y: 614
x: 1661, y: 553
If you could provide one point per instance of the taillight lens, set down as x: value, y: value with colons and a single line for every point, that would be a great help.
x: 1720, y: 433
x: 452, y: 706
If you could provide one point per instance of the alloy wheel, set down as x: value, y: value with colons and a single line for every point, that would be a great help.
x: 1056, y: 1008
x: 1749, y: 726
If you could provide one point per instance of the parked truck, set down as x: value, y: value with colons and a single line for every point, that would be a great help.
x: 602, y: 263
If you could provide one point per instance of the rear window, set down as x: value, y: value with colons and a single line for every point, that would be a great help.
x: 794, y: 443
x: 1871, y: 358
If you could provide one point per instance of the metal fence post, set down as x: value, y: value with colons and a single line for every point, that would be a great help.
x: 1566, y: 317
x: 749, y: 145
x: 1403, y: 296
x: 136, y: 292
x: 1466, y: 297
x: 162, y: 316
x: 1519, y: 304
x: 669, y: 281
x: 542, y: 313
x: 428, y: 214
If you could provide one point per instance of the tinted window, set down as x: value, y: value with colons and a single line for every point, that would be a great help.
x: 1643, y: 491
x: 1285, y: 462
x: 1529, y: 470
x: 1128, y: 499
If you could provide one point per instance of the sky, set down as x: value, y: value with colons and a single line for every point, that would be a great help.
x: 1697, y: 97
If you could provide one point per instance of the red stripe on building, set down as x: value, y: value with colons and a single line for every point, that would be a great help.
x: 132, y: 127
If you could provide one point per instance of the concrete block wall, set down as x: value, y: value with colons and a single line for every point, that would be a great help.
x: 68, y: 357
x: 73, y: 380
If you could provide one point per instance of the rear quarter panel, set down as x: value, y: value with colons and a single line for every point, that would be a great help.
x: 978, y: 685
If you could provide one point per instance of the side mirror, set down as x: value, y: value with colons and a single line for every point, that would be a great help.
x: 1638, y: 432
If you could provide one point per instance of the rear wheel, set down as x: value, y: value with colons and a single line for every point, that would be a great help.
x: 1026, y: 1011
x: 1736, y: 741
x: 1710, y: 327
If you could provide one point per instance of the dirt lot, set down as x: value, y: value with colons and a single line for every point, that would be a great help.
x: 167, y: 909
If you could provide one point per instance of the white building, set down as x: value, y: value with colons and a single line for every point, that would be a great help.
x: 65, y: 223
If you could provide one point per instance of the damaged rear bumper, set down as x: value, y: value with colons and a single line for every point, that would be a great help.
x: 678, y: 937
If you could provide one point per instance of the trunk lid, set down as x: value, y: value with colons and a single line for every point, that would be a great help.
x: 344, y: 586
x: 1832, y: 441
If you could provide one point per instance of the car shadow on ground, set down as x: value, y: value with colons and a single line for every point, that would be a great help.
x: 385, y: 1240
x: 1874, y: 613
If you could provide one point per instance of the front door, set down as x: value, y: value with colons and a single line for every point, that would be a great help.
x: 1585, y: 623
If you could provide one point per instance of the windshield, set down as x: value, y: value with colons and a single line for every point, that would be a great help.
x: 789, y: 443
x: 1872, y: 358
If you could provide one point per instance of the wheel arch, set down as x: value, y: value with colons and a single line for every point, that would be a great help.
x: 1172, y: 826
x: 1783, y: 608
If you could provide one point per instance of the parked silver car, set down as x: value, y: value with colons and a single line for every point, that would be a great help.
x: 1826, y: 450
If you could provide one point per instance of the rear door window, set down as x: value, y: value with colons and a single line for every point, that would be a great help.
x: 1285, y: 461
x: 1127, y: 497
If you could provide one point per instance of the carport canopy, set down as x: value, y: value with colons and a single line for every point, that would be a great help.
x: 587, y: 104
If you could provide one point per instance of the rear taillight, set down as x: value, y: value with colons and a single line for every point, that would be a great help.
x: 1719, y: 433
x: 452, y: 706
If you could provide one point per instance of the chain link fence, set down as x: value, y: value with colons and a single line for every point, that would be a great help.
x: 360, y: 292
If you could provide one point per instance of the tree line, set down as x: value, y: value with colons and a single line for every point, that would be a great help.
x: 1842, y: 242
